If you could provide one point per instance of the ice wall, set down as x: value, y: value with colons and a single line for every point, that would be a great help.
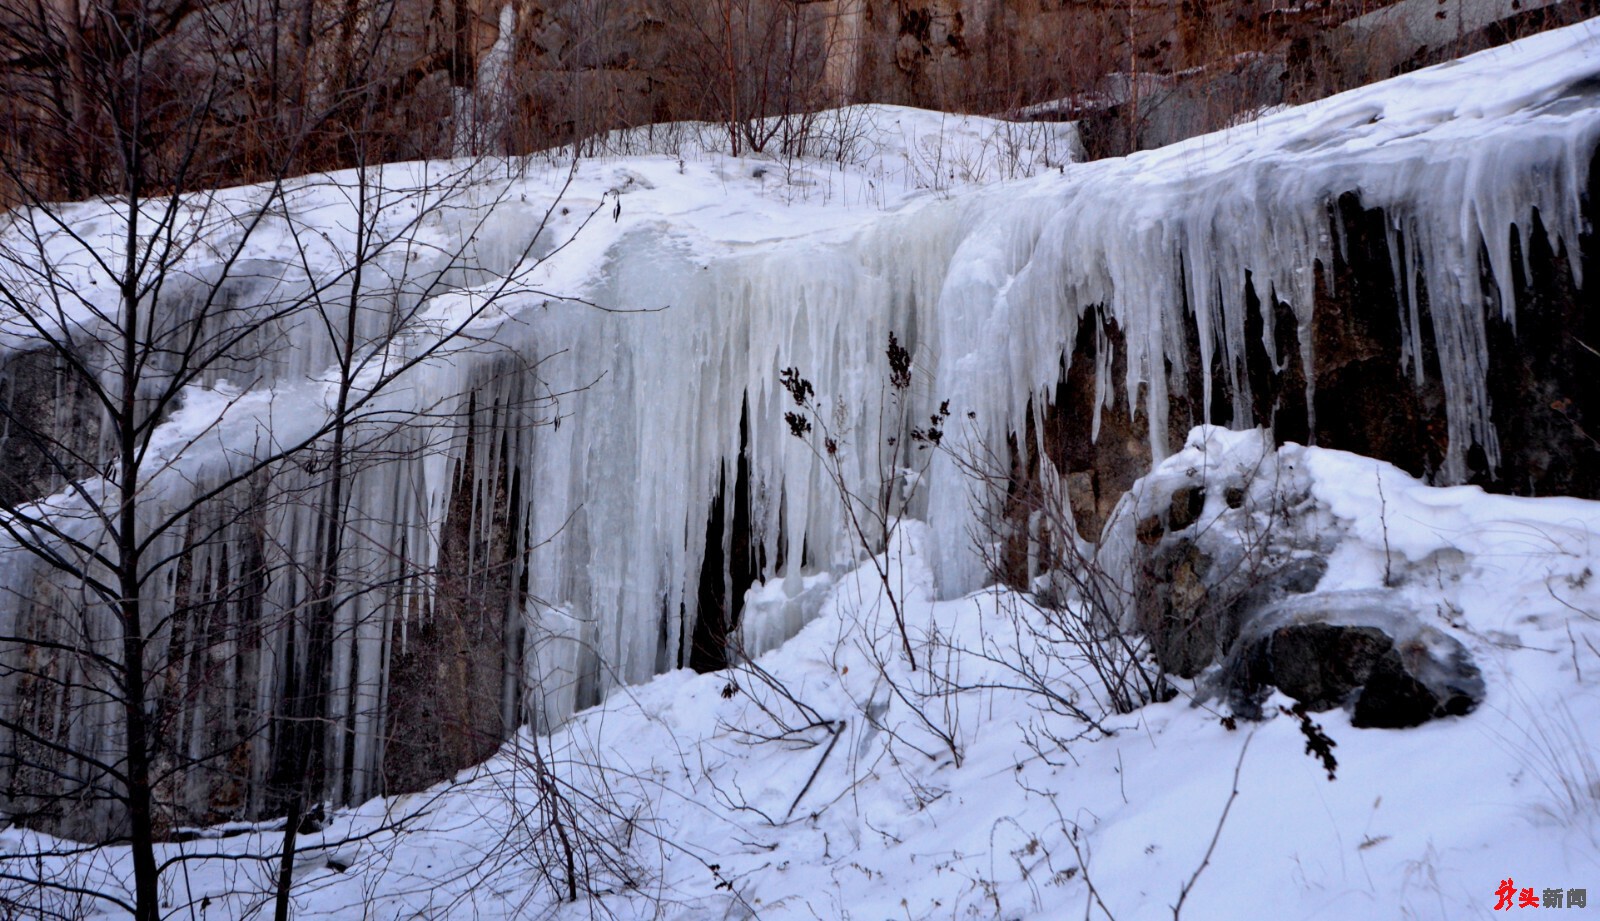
x: 717, y: 273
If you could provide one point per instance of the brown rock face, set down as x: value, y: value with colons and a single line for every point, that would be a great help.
x: 1107, y: 464
x: 453, y: 685
x: 1173, y: 609
x: 322, y: 87
x: 1542, y: 369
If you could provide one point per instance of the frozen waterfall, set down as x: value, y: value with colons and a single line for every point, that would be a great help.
x: 672, y: 290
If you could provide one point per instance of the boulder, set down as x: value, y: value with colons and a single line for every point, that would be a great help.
x: 1368, y: 651
x: 1191, y: 599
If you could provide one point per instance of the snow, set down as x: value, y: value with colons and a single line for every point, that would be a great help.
x: 725, y: 818
x: 980, y: 246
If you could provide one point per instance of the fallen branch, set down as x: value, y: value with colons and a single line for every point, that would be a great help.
x: 837, y: 729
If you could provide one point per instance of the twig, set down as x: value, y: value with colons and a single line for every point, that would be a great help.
x: 1383, y: 521
x: 837, y: 729
x: 1574, y: 643
x: 1083, y: 866
x: 1215, y: 835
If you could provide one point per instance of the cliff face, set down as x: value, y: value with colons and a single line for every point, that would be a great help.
x: 311, y: 84
x: 1398, y: 271
x: 1144, y: 73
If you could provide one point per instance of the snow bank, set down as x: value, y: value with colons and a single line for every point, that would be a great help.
x: 949, y: 792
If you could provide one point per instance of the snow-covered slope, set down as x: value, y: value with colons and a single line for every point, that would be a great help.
x: 957, y: 791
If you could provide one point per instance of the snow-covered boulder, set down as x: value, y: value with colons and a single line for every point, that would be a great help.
x: 1370, y: 651
x: 1207, y: 539
x: 1223, y: 553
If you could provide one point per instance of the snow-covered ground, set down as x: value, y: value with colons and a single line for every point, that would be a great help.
x: 954, y: 791
x: 832, y: 781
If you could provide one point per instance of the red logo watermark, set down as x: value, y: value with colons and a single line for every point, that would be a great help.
x: 1508, y: 896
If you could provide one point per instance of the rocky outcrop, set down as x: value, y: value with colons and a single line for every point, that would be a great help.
x: 1222, y: 572
x: 1135, y: 75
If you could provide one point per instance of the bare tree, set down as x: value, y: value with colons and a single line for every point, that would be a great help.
x: 754, y: 66
x: 197, y: 599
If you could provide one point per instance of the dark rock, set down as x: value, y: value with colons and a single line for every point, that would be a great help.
x: 1172, y: 609
x: 314, y: 820
x: 1391, y: 698
x: 1149, y: 531
x: 447, y: 678
x: 1363, y: 650
x: 1187, y: 503
x: 1190, y: 601
x: 1411, y: 686
x: 1110, y: 456
x: 1319, y: 665
x: 1081, y: 497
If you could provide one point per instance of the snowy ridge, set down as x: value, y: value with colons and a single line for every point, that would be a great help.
x: 812, y: 267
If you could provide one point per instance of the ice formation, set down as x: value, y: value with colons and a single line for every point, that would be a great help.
x: 719, y: 272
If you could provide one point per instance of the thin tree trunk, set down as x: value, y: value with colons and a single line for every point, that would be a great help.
x: 291, y: 831
x: 319, y: 642
x: 141, y: 815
